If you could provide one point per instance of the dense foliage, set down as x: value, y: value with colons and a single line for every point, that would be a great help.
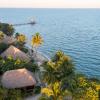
x: 7, y: 29
x: 24, y: 49
x: 3, y: 47
x: 21, y: 38
x: 21, y: 41
x: 59, y: 67
x: 1, y: 35
x: 10, y: 94
x: 63, y: 82
x: 11, y: 64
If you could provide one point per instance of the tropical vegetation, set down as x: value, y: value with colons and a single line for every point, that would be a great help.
x: 11, y: 64
x: 7, y: 29
x: 64, y: 83
x: 21, y: 41
x: 3, y: 47
x: 13, y: 94
x: 1, y: 35
x: 60, y: 78
x: 36, y: 41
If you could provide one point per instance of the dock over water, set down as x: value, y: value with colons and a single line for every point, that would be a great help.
x: 30, y: 23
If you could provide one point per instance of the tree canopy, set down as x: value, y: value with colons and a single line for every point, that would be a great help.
x: 7, y: 29
x: 64, y: 82
x: 36, y: 40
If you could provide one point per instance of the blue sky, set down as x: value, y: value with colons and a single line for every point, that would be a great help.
x: 51, y: 3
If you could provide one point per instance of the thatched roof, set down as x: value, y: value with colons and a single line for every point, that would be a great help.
x: 8, y: 39
x: 18, y: 79
x: 15, y: 53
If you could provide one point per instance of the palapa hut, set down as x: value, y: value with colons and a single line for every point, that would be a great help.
x: 15, y: 53
x: 8, y: 39
x: 20, y: 78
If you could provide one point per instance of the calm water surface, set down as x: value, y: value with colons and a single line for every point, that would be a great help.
x: 75, y: 31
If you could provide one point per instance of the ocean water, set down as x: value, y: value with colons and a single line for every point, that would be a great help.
x: 74, y: 31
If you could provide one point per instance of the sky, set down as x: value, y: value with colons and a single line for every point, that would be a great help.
x: 50, y: 3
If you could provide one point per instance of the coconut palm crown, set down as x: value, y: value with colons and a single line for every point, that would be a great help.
x: 21, y: 38
x: 37, y: 40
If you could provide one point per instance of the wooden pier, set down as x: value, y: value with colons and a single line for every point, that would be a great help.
x: 30, y: 23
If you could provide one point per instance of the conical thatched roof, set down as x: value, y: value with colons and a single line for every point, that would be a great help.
x: 8, y: 39
x: 18, y: 79
x: 15, y: 53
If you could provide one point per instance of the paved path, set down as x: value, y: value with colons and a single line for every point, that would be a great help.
x: 33, y: 97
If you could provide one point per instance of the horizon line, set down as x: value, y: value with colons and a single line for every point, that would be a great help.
x: 51, y: 7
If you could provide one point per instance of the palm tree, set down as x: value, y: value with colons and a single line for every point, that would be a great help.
x: 60, y: 67
x: 36, y: 41
x: 54, y: 92
x: 21, y: 39
x: 10, y: 30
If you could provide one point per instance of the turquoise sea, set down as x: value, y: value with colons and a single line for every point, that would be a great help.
x: 74, y: 31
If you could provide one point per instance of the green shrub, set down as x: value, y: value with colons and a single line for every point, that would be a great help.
x: 24, y: 49
x: 7, y: 29
x: 14, y: 95
x: 11, y: 64
x: 60, y: 69
x: 3, y: 47
x: 21, y: 46
x: 10, y: 94
x: 3, y: 93
x: 37, y: 90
